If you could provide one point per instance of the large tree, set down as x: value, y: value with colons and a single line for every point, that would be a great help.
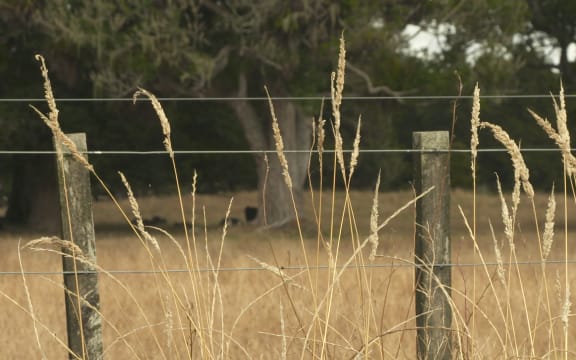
x: 224, y: 48
x: 556, y: 20
x: 232, y: 48
x: 30, y: 179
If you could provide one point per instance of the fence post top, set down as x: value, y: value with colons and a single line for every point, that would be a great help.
x: 430, y: 140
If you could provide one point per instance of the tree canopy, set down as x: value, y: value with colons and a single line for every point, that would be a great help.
x: 233, y: 48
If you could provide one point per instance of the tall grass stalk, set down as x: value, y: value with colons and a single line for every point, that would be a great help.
x: 30, y: 304
x: 288, y: 180
x: 474, y: 142
x: 47, y: 245
x: 521, y: 177
x: 336, y: 91
x: 561, y: 136
x: 166, y: 131
x: 532, y: 316
x: 202, y: 307
x: 318, y: 138
x: 205, y: 311
x: 52, y: 121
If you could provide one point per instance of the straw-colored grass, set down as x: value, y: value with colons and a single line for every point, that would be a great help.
x: 258, y: 330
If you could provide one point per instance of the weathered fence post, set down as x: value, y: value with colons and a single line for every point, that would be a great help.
x: 82, y: 298
x: 432, y: 247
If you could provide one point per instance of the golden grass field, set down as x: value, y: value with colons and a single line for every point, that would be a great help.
x: 142, y: 320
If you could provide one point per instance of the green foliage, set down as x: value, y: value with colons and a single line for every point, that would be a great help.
x: 197, y: 48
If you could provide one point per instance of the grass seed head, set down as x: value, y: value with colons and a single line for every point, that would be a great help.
x: 320, y: 131
x: 275, y: 270
x: 45, y: 242
x: 507, y: 219
x: 279, y: 143
x: 136, y: 213
x: 500, y: 271
x: 561, y: 136
x: 521, y: 171
x: 566, y: 308
x: 338, y: 82
x: 374, y: 221
x: 337, y: 88
x: 164, y: 123
x: 52, y: 120
x: 475, y: 123
x: 548, y: 236
x: 48, y: 93
x: 355, y: 149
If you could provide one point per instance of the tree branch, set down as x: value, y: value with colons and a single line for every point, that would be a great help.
x: 248, y: 117
x: 370, y: 86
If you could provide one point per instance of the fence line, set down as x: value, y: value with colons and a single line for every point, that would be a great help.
x: 296, y: 98
x: 405, y: 264
x: 432, y: 265
x: 242, y: 152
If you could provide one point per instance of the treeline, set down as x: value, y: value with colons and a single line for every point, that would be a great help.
x: 232, y: 49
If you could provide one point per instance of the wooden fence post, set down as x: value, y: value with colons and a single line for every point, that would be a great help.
x: 82, y: 298
x: 432, y: 246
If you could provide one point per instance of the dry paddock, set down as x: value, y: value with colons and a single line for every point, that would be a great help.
x: 250, y: 312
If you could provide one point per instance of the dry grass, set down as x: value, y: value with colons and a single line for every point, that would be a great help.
x: 258, y: 329
x: 345, y: 290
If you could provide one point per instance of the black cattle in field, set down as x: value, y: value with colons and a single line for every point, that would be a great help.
x: 250, y: 213
x: 153, y: 221
x: 231, y: 221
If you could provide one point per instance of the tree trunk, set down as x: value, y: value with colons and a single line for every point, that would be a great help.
x: 33, y: 200
x: 276, y: 204
x: 565, y: 69
x: 279, y: 204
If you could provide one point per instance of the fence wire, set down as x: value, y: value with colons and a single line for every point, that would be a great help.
x: 245, y: 152
x: 294, y: 98
x: 401, y: 264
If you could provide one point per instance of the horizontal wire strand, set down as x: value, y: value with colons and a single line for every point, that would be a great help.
x: 240, y: 152
x: 304, y: 98
x: 293, y: 98
x: 290, y: 268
